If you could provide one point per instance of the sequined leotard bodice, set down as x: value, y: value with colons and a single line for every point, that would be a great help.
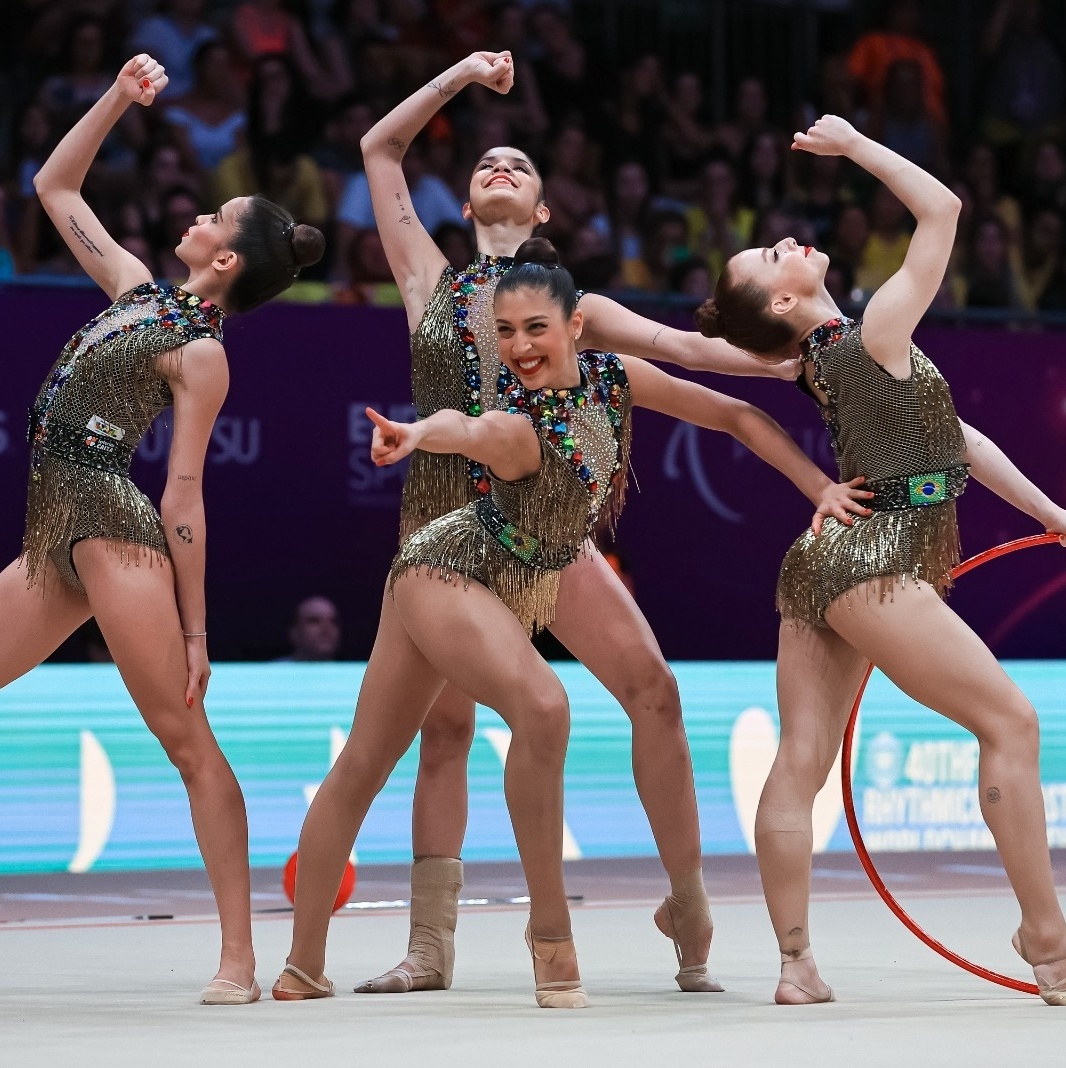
x: 454, y: 354
x: 516, y: 539
x: 91, y: 412
x: 904, y: 436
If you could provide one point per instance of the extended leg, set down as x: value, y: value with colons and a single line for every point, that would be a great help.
x: 818, y: 674
x: 600, y: 623
x: 135, y: 605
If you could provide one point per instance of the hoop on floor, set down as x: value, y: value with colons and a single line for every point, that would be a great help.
x: 849, y: 799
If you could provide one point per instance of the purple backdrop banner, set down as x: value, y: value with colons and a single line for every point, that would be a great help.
x: 295, y: 506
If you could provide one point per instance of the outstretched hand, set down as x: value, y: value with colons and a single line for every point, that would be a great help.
x: 829, y: 136
x: 494, y: 69
x: 841, y: 500
x: 392, y: 441
x: 142, y: 79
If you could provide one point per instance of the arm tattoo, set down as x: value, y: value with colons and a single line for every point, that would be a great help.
x: 185, y: 533
x: 395, y: 142
x: 657, y: 333
x: 993, y: 795
x: 83, y: 237
x: 444, y: 90
x: 186, y: 478
x: 404, y: 217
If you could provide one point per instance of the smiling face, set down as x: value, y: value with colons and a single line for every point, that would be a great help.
x: 536, y: 340
x: 506, y: 186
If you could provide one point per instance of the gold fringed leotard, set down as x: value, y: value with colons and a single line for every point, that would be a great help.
x: 904, y: 436
x: 92, y: 411
x: 517, y: 539
x: 453, y: 352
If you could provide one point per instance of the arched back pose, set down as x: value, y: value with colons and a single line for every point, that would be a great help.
x: 872, y: 591
x: 454, y: 366
x: 94, y: 545
x: 555, y: 460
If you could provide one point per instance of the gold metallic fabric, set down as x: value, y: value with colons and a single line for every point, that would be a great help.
x: 883, y: 428
x: 100, y: 398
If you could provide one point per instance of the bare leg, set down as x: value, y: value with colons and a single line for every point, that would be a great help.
x: 600, y: 623
x: 134, y: 604
x: 818, y: 674
x: 36, y: 620
x: 934, y: 657
x: 431, y: 628
x: 438, y: 823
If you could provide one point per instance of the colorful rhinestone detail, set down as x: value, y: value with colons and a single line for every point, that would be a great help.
x: 464, y: 286
x: 829, y: 333
x: 550, y: 410
x: 169, y: 307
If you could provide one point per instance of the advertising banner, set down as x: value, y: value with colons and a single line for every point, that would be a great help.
x: 84, y: 786
x: 295, y: 507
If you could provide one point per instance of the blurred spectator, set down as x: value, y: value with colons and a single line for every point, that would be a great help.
x: 338, y: 154
x: 260, y: 28
x: 208, y: 122
x: 818, y: 192
x: 315, y: 634
x: 763, y: 177
x: 572, y: 189
x: 886, y: 247
x: 180, y: 205
x: 874, y: 53
x: 457, y: 244
x: 687, y: 135
x: 433, y: 202
x: 838, y: 94
x: 690, y: 278
x: 33, y: 139
x: 1042, y: 249
x: 900, y: 121
x: 591, y: 260
x: 174, y: 36
x: 619, y: 564
x: 366, y: 277
x: 664, y: 247
x: 522, y: 108
x: 851, y: 231
x: 991, y: 279
x: 1044, y: 178
x: 635, y: 114
x: 162, y: 170
x: 84, y: 78
x: 749, y: 118
x: 563, y: 66
x: 274, y: 168
x: 1026, y: 86
x: 630, y: 203
x: 981, y: 173
x: 718, y: 226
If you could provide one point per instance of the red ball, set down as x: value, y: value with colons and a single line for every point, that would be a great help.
x: 288, y: 882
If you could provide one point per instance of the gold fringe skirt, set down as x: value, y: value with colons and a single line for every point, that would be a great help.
x: 436, y: 484
x: 458, y: 546
x: 68, y: 503
x: 922, y: 543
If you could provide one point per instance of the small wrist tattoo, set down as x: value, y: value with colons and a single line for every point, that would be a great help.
x: 657, y: 333
x: 444, y: 91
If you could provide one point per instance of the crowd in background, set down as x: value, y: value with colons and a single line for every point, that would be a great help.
x: 651, y: 187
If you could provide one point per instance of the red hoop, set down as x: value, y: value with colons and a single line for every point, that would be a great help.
x: 849, y: 799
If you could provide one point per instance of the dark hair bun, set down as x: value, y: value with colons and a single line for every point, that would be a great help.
x: 308, y: 245
x: 537, y: 250
x: 708, y: 319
